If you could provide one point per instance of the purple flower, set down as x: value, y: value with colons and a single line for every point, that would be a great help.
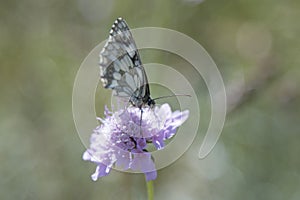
x: 122, y: 138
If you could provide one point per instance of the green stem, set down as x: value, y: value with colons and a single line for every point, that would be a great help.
x: 150, y: 190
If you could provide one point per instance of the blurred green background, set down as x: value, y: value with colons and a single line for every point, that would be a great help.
x: 254, y: 43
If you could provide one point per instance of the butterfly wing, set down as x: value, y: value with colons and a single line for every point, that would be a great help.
x: 120, y: 66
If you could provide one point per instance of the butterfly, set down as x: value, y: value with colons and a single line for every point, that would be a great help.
x: 121, y: 68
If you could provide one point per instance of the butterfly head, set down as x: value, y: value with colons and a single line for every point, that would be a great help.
x: 142, y: 102
x: 151, y: 103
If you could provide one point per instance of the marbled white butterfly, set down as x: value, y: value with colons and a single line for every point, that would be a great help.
x: 121, y: 68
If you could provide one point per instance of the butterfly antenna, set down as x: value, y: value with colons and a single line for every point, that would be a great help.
x: 174, y: 95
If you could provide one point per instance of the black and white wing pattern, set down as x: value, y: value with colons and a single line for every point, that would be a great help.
x: 121, y: 68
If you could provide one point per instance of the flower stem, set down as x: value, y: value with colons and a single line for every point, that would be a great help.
x: 150, y: 190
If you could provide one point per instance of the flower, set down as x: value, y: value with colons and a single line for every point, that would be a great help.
x: 122, y: 139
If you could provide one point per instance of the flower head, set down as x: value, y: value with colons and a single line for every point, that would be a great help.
x: 123, y: 137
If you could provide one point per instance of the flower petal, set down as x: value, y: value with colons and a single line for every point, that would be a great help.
x: 124, y: 160
x: 179, y: 117
x: 158, y: 141
x: 101, y: 170
x: 86, y: 155
x: 151, y: 175
x: 142, y: 162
